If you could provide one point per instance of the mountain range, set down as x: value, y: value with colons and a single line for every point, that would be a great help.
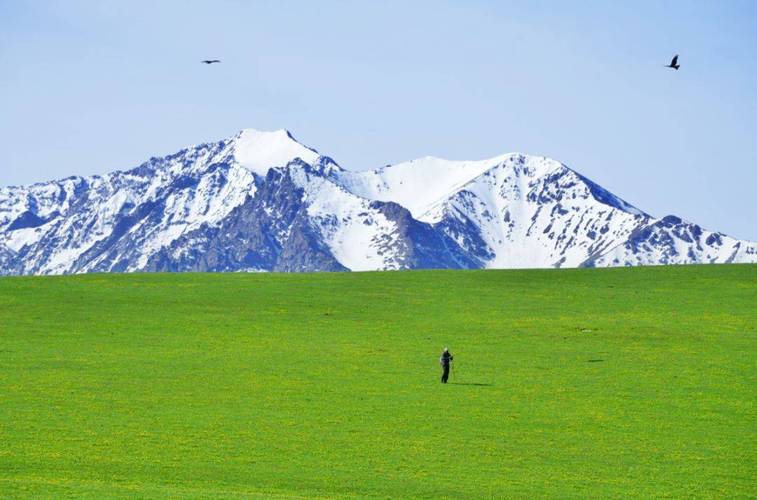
x: 261, y: 201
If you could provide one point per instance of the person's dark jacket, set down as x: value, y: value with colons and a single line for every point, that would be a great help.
x: 446, y: 358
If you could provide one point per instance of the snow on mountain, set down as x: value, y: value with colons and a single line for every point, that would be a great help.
x: 671, y: 240
x: 416, y: 184
x: 261, y: 201
x: 92, y: 224
x: 6, y: 255
x: 298, y: 220
x: 535, y: 212
x: 509, y: 211
x: 259, y: 151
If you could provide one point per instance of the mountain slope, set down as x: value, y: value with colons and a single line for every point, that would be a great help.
x: 675, y: 241
x: 510, y: 211
x: 261, y: 201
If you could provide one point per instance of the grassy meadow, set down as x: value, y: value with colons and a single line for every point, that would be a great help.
x: 567, y: 383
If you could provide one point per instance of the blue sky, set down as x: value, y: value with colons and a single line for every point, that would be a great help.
x: 90, y: 87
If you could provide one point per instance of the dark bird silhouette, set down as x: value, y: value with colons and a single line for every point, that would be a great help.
x: 674, y: 63
x: 211, y: 61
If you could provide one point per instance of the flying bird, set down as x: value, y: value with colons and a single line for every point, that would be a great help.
x: 674, y: 63
x: 211, y: 61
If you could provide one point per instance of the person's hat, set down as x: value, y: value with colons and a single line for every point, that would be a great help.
x: 445, y: 349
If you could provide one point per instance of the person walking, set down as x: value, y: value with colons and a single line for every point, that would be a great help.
x: 445, y: 361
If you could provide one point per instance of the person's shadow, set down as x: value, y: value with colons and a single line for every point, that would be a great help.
x: 471, y: 383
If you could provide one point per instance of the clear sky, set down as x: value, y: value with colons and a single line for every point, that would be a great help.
x: 91, y: 87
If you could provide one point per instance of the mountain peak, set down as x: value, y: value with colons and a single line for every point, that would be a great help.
x: 251, y: 132
x: 259, y: 150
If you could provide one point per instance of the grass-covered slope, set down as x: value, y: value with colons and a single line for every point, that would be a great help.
x: 609, y: 382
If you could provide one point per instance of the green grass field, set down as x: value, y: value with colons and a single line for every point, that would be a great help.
x: 567, y: 383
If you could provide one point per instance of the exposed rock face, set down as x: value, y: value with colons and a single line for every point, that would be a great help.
x: 268, y: 231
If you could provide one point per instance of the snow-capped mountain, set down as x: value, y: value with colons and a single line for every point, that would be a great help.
x: 261, y: 201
